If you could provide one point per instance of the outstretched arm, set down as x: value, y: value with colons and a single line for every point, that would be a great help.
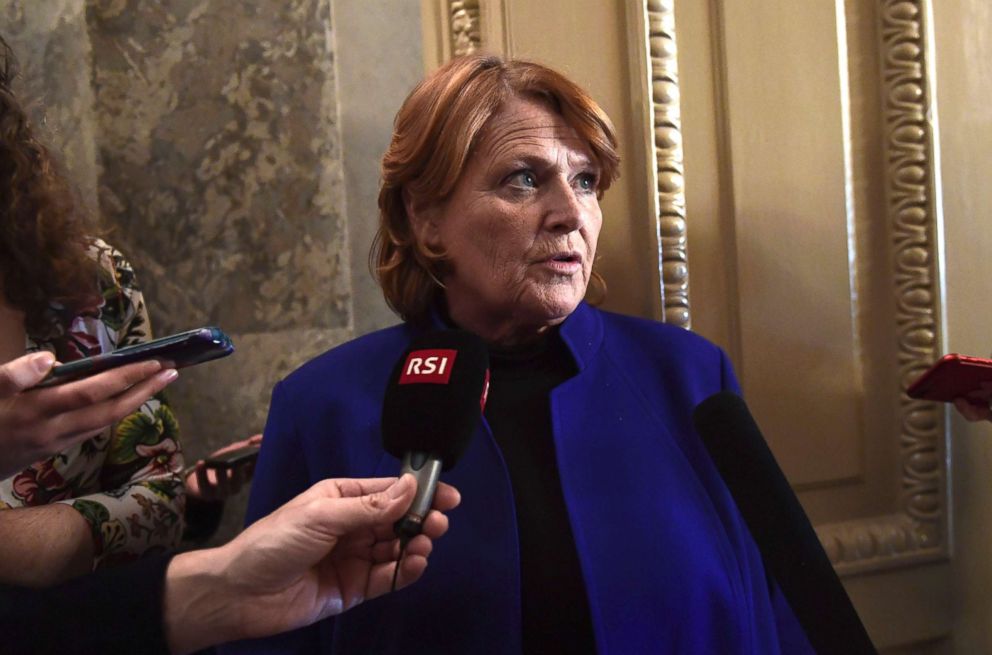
x: 322, y: 553
x: 45, y: 545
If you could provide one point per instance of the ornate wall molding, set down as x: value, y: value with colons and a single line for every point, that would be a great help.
x: 919, y: 531
x: 466, y: 35
x: 667, y: 155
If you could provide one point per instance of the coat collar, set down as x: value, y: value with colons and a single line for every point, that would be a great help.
x: 582, y: 331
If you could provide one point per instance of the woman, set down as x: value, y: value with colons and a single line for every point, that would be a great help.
x: 117, y: 494
x: 592, y: 519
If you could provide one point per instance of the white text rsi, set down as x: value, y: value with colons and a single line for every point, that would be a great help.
x: 426, y: 366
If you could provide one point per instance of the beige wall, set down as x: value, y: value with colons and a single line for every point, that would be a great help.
x: 816, y: 235
x: 964, y: 73
x: 378, y: 63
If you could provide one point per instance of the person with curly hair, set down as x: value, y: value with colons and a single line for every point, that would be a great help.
x: 110, y: 493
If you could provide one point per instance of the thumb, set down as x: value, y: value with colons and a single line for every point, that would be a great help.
x: 24, y: 372
x: 382, y: 508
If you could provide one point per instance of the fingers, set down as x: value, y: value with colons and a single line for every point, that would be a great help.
x: 413, y: 563
x: 237, y: 444
x: 198, y: 482
x: 24, y: 372
x: 97, y: 388
x: 341, y: 488
x: 380, y: 501
x: 446, y: 498
x: 236, y: 478
x: 344, y: 515
x: 90, y: 411
x: 213, y: 483
x: 972, y: 411
x: 357, y: 487
x: 436, y: 524
x: 412, y: 567
x: 384, y: 552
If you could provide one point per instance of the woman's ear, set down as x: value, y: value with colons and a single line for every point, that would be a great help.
x: 423, y: 221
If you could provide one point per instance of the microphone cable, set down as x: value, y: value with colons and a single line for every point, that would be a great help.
x: 404, y: 540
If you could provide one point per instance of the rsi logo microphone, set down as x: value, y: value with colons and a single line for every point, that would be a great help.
x: 428, y: 366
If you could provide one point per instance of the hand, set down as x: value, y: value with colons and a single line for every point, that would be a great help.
x: 973, y: 409
x: 321, y: 553
x: 209, y: 484
x: 975, y: 405
x: 37, y: 423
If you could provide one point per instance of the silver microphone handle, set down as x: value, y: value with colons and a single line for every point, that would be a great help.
x: 426, y: 468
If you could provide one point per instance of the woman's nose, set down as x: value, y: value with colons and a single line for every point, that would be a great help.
x: 566, y: 211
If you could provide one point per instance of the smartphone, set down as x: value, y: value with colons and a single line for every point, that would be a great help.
x: 234, y: 458
x: 178, y: 350
x: 953, y: 376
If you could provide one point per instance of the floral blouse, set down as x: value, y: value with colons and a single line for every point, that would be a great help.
x: 126, y: 481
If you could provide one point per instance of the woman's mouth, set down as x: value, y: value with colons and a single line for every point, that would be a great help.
x: 564, y: 263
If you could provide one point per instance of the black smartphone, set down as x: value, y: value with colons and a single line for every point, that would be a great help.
x: 178, y: 350
x: 234, y: 458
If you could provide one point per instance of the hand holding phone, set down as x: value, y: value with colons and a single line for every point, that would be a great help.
x: 959, y: 379
x: 955, y: 376
x: 974, y: 410
x: 224, y: 472
x: 175, y: 351
x: 37, y: 423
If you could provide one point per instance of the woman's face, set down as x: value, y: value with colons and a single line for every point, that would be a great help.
x: 521, y: 226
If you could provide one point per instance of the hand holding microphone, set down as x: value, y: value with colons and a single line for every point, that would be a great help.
x: 432, y: 406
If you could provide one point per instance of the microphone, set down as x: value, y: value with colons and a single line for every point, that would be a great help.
x: 787, y: 542
x: 433, y: 404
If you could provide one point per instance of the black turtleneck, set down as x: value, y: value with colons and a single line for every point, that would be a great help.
x: 555, y: 608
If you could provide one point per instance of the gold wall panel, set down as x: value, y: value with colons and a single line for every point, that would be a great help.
x: 799, y: 360
x: 917, y: 529
x: 823, y: 123
x: 813, y: 217
x: 780, y: 155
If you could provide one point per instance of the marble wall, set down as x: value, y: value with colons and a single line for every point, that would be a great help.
x: 52, y: 45
x: 208, y: 135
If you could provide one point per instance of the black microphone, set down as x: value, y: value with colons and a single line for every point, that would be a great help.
x: 432, y: 406
x: 788, y: 544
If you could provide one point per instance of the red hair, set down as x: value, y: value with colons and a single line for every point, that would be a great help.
x: 434, y: 134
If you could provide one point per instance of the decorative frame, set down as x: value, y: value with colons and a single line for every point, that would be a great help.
x: 466, y: 35
x: 451, y: 28
x: 667, y: 159
x: 920, y: 529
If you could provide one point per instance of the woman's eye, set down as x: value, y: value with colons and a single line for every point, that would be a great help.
x: 587, y: 181
x: 523, y: 179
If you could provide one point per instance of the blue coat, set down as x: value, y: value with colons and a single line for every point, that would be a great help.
x: 668, y: 563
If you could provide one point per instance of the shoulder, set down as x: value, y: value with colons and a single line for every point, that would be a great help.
x: 115, y: 270
x: 633, y: 333
x: 123, y: 308
x: 649, y: 350
x: 352, y: 363
x: 329, y: 407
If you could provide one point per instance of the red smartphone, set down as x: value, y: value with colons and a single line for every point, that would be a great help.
x: 184, y: 349
x: 953, y: 376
